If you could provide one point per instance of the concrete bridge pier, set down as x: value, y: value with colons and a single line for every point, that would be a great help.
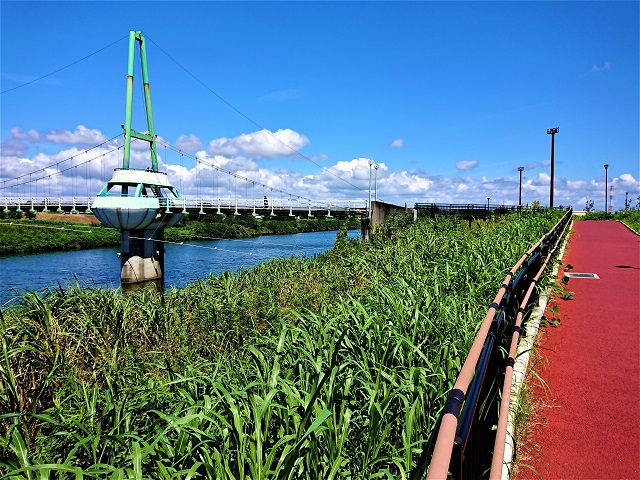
x: 380, y: 213
x: 141, y: 255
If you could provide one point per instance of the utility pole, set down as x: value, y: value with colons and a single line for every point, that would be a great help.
x: 375, y: 181
x: 370, y: 163
x: 520, y: 169
x: 606, y: 185
x: 552, y: 132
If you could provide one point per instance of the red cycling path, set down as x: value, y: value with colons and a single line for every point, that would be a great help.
x: 589, y: 424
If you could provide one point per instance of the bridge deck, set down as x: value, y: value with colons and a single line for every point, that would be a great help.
x: 591, y: 364
x: 241, y: 206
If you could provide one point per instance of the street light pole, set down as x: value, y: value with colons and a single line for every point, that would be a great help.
x: 606, y: 186
x: 520, y: 169
x: 552, y: 132
x: 375, y: 180
x: 370, y: 163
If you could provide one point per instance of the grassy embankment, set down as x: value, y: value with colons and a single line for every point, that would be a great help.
x: 336, y: 366
x: 630, y: 217
x: 36, y: 236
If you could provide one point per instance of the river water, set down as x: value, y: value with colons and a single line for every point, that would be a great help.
x: 184, y: 263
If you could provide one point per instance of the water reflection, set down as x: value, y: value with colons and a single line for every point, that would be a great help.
x: 156, y: 285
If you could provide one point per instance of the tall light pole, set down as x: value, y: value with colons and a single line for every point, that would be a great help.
x: 520, y: 169
x: 488, y: 198
x: 370, y: 163
x: 552, y: 132
x: 606, y: 186
x: 375, y: 180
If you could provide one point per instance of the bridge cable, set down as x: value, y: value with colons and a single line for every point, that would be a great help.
x: 182, y: 244
x: 257, y: 242
x: 43, y: 169
x: 78, y: 228
x: 203, y: 161
x: 62, y: 68
x: 82, y: 228
x: 58, y: 172
x: 253, y: 121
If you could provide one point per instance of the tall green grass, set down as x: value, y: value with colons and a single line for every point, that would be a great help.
x: 330, y: 367
x: 35, y: 236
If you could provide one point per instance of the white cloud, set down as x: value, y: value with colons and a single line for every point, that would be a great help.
x: 31, y: 135
x: 82, y: 135
x: 139, y: 145
x: 530, y: 166
x: 261, y: 144
x: 577, y: 184
x: 606, y: 66
x: 189, y: 143
x: 628, y: 181
x: 466, y: 164
x: 397, y: 143
x: 66, y: 173
x: 13, y: 148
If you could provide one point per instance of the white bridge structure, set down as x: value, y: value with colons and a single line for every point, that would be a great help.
x: 272, y: 206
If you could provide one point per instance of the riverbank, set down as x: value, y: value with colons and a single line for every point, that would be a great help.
x: 59, y: 232
x: 295, y: 368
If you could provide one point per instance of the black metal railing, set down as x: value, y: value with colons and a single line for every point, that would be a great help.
x: 480, y: 382
x: 469, y: 211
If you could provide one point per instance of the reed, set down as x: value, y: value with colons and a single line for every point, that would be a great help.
x: 330, y: 367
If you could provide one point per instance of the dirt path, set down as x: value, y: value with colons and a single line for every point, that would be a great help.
x: 589, y: 425
x: 61, y: 217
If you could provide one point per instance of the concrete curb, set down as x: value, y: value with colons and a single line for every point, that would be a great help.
x: 525, y: 346
x: 629, y: 227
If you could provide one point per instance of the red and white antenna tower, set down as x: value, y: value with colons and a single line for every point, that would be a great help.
x: 611, y: 198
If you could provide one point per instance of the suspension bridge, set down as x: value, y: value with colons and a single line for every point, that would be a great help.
x: 258, y: 208
x: 142, y: 202
x: 68, y: 186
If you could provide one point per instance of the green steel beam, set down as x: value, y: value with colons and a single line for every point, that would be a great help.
x: 129, y: 101
x: 141, y: 136
x: 147, y: 102
x: 129, y: 133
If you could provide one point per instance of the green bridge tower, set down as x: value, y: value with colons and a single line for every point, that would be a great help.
x: 140, y: 203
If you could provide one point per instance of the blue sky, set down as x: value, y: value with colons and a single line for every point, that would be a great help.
x: 447, y: 98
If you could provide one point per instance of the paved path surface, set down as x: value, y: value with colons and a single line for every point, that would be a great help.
x: 590, y: 426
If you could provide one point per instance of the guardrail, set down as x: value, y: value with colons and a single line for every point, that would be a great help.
x: 471, y: 210
x: 203, y: 204
x: 467, y: 445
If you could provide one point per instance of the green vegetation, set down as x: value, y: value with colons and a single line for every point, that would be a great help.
x: 22, y: 236
x: 36, y: 236
x: 219, y: 226
x: 336, y: 366
x: 630, y: 217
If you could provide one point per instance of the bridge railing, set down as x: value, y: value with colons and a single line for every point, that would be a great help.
x: 276, y: 203
x: 471, y: 210
x: 83, y: 204
x: 467, y: 443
